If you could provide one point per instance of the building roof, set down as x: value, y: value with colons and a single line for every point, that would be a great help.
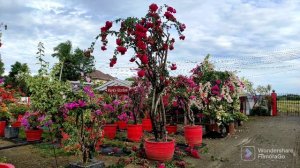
x: 116, y: 82
x: 98, y: 75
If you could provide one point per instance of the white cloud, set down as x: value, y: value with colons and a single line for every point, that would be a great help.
x: 241, y: 35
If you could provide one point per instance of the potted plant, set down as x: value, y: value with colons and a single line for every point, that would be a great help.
x: 84, y: 119
x: 239, y: 117
x: 33, y: 122
x: 151, y: 41
x: 17, y: 110
x: 4, y: 118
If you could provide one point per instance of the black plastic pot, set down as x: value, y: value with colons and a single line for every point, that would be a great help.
x: 11, y: 132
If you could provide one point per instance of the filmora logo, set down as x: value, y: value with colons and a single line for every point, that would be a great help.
x: 248, y: 153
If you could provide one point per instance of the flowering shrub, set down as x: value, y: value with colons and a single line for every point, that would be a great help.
x: 151, y: 40
x: 35, y: 120
x: 218, y: 92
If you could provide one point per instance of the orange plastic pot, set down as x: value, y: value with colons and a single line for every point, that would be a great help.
x: 159, y: 151
x: 33, y: 135
x: 171, y: 129
x: 110, y: 131
x: 2, y: 128
x: 134, y: 132
x: 193, y: 135
x: 147, y: 125
x: 6, y: 165
x: 122, y: 125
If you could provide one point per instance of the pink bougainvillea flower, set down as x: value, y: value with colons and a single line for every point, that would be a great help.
x: 98, y: 112
x: 153, y: 7
x: 122, y: 49
x: 215, y: 89
x: 81, y: 103
x: 174, y: 104
x: 141, y: 73
x: 108, y: 107
x: 218, y: 82
x: 103, y: 48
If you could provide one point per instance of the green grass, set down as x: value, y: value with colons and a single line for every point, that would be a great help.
x: 288, y: 106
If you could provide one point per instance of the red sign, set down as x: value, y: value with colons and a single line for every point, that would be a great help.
x: 120, y: 90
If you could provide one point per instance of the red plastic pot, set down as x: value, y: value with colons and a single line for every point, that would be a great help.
x: 17, y: 124
x: 110, y: 131
x: 193, y: 135
x: 2, y: 128
x: 33, y: 135
x: 171, y: 129
x: 134, y: 132
x: 122, y: 125
x: 6, y: 165
x: 147, y: 125
x: 159, y: 151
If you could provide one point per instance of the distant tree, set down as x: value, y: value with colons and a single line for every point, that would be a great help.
x: 1, y: 67
x: 71, y: 64
x: 12, y: 79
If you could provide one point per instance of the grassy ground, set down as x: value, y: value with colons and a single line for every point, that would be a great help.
x: 288, y: 106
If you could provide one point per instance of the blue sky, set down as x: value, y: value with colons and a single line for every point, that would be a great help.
x: 260, y: 39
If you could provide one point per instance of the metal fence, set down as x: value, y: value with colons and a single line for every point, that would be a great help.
x: 288, y: 104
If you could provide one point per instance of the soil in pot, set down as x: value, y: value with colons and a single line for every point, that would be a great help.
x: 193, y: 135
x: 110, y: 131
x: 159, y: 151
x: 134, y: 132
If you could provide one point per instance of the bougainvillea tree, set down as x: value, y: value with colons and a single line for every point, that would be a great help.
x: 150, y: 39
x: 218, y: 93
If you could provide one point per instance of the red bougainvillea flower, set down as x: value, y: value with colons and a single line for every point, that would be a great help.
x: 122, y: 49
x: 153, y: 7
x: 218, y: 82
x: 103, y: 29
x: 174, y: 104
x: 113, y: 61
x: 165, y: 46
x: 171, y: 47
x: 182, y: 27
x: 173, y: 67
x: 108, y: 24
x: 169, y: 16
x: 119, y: 42
x: 144, y: 59
x: 170, y: 9
x: 132, y: 60
x: 141, y: 73
x: 182, y: 37
x: 103, y: 48
x: 161, y: 165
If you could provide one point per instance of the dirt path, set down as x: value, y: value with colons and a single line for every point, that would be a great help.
x: 282, y: 132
